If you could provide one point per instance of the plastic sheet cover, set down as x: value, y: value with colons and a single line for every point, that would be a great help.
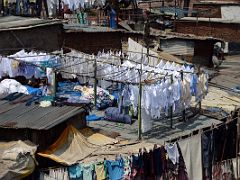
x: 17, y: 159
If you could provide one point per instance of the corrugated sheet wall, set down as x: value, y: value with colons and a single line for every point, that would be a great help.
x: 177, y: 46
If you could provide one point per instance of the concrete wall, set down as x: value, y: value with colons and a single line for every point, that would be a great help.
x: 44, y: 38
x: 92, y: 43
x: 230, y: 12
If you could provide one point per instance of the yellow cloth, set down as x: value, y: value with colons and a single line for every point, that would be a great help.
x: 15, y: 64
x: 100, y: 171
x: 70, y: 147
x: 100, y: 139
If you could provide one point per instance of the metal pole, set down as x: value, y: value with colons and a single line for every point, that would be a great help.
x: 200, y: 102
x: 95, y: 82
x: 175, y: 14
x: 140, y: 103
x: 54, y: 83
x: 171, y: 107
x: 237, y: 144
x: 184, y: 111
x: 59, y: 9
x: 237, y: 140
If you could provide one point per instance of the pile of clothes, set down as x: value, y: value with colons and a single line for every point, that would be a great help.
x: 104, y: 98
x: 8, y: 86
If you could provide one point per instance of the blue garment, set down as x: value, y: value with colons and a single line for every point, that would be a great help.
x: 126, y: 96
x: 193, y: 84
x: 115, y: 95
x: 34, y: 91
x: 115, y: 169
x: 75, y: 172
x: 113, y: 22
x: 88, y: 172
x: 25, y: 7
x: 17, y: 7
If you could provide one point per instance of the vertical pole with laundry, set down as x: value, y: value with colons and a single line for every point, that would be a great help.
x: 140, y: 102
x: 200, y: 101
x: 54, y: 84
x: 171, y: 106
x: 184, y: 111
x: 237, y: 145
x: 95, y: 82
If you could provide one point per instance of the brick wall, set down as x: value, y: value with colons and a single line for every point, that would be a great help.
x: 230, y: 32
x: 206, y: 10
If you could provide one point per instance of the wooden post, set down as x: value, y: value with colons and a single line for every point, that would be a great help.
x: 95, y: 82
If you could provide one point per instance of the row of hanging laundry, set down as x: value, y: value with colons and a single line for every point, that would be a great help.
x: 159, y: 162
x: 80, y: 63
x: 113, y: 67
x: 27, y: 64
x: 158, y: 98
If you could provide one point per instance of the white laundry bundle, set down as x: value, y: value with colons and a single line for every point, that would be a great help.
x: 8, y: 86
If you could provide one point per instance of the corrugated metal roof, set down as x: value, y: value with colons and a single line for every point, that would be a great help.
x: 90, y: 29
x: 16, y: 22
x: 18, y: 115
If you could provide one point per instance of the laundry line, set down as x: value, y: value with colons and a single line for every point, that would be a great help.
x: 102, y: 78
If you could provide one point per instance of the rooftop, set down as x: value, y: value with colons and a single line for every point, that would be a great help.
x: 218, y: 3
x: 161, y: 131
x: 89, y: 29
x: 228, y: 74
x: 217, y: 20
x: 16, y: 114
x: 17, y: 22
x: 172, y: 35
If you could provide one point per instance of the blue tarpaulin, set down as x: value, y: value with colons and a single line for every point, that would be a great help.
x: 93, y: 117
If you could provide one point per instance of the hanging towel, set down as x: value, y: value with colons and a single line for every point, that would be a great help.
x: 100, y: 171
x: 192, y: 154
x: 173, y: 153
